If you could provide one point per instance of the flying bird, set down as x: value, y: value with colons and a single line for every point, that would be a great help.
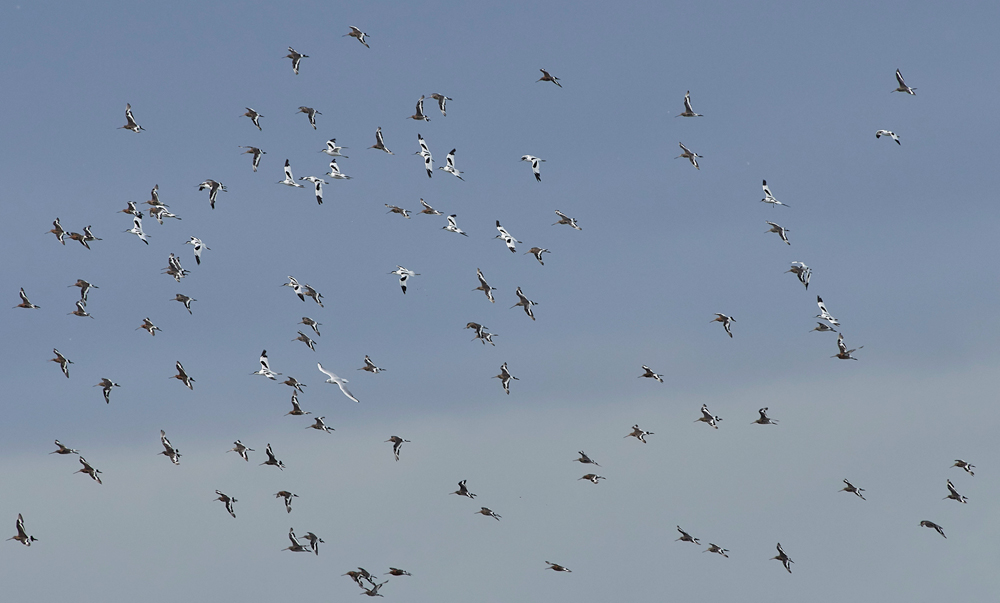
x: 130, y: 121
x: 484, y: 286
x: 442, y: 101
x: 168, y: 450
x: 395, y: 209
x: 558, y: 568
x: 968, y: 467
x: 256, y: 155
x: 288, y: 499
x: 199, y: 246
x: 803, y: 272
x: 425, y: 153
x: 725, y: 320
x: 228, y: 501
x: 537, y: 252
x: 769, y: 198
x: 289, y: 179
x: 318, y: 184
x: 714, y: 548
x: 881, y: 133
x: 844, y: 353
x: 849, y: 487
x: 63, y: 361
x: 404, y: 276
x: 213, y: 190
x: 89, y: 470
x: 824, y: 314
x: 535, y: 161
x: 338, y: 381
x: 586, y: 460
x: 63, y: 449
x: 507, y: 238
x: 106, y: 385
x: 685, y: 537
x: 271, y: 459
x: 639, y: 434
x: 487, y: 512
x: 183, y: 376
x: 564, y: 219
x: 319, y: 425
x: 294, y: 383
x: 296, y: 59
x: 708, y: 417
x: 902, y: 85
x: 397, y: 443
x: 58, y: 231
x: 25, y: 302
x: 81, y: 309
x: 137, y: 228
x: 782, y: 231
x: 333, y: 150
x: 450, y: 166
x: 265, y: 367
x: 296, y: 408
x: 822, y: 326
x: 689, y: 155
x: 546, y: 77
x: 453, y: 226
x: 764, y: 419
x: 335, y: 172
x: 688, y: 111
x: 784, y: 559
x: 954, y: 495
x: 241, y: 450
x: 312, y: 113
x: 650, y: 374
x: 306, y: 340
x: 254, y: 116
x: 593, y: 477
x: 525, y: 303
x: 21, y: 535
x: 429, y: 210
x: 505, y: 378
x: 419, y: 115
x: 370, y: 366
x: 357, y: 33
x: 395, y: 571
x: 930, y: 524
x: 463, y: 490
x: 184, y: 299
x: 379, y: 143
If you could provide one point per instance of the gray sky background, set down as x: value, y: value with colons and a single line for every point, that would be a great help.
x: 901, y: 240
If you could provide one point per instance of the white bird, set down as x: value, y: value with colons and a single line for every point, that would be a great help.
x: 534, y: 165
x: 296, y: 59
x: 404, y: 276
x: 725, y: 320
x: 335, y: 172
x: 537, y: 252
x: 450, y: 167
x: 954, y: 495
x: 546, y: 77
x: 781, y: 230
x: 168, y: 450
x: 296, y: 287
x: 213, y: 190
x: 320, y: 425
x: 137, y: 228
x: 199, y: 246
x: 689, y: 155
x: 650, y: 374
x: 639, y: 434
x: 802, y: 271
x: 370, y: 366
x: 507, y: 237
x: 844, y: 353
x: 564, y: 219
x: 881, y: 133
x: 688, y: 111
x: 707, y: 417
x: 318, y: 183
x: 824, y: 314
x: 525, y: 303
x: 357, y: 33
x: 419, y: 115
x: 254, y: 116
x: 130, y: 121
x: 228, y: 501
x: 397, y: 443
x: 256, y: 155
x: 768, y: 197
x: 25, y: 302
x: 425, y: 153
x: 21, y: 535
x: 289, y: 179
x: 265, y: 368
x: 332, y: 149
x: 764, y: 419
x: 505, y: 378
x: 902, y: 85
x: 63, y: 361
x: 442, y: 101
x: 338, y: 381
x: 241, y: 450
x: 311, y: 113
x: 452, y: 226
x: 849, y: 487
x: 484, y: 286
x: 271, y: 459
x: 379, y: 143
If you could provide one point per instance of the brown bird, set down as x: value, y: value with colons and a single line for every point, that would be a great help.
x: 546, y: 77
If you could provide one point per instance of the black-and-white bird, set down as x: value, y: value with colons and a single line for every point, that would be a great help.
x: 335, y: 172
x: 419, y: 115
x: 689, y: 155
x: 130, y: 121
x: 708, y: 417
x: 318, y: 184
x: 463, y: 490
x: 954, y: 495
x: 564, y: 219
x: 311, y: 113
x: 726, y: 321
x: 450, y: 166
x: 358, y: 34
x: 21, y: 535
x: 288, y: 496
x: 397, y: 443
x: 844, y: 353
x: 296, y: 287
x: 781, y: 230
x: 688, y: 111
x: 289, y: 179
x: 824, y: 314
x: 685, y: 537
x: 902, y: 85
x: 265, y: 368
x: 930, y: 524
x: 296, y: 59
x: 506, y: 237
x: 137, y: 228
x: 803, y: 272
x: 425, y: 153
x: 333, y: 150
x: 442, y: 101
x: 379, y: 142
x: 404, y: 276
x: 183, y: 376
x: 271, y: 459
x: 525, y: 303
x: 535, y: 168
x: 453, y: 226
x: 213, y: 190
x: 338, y: 381
x: 881, y: 133
x: 106, y: 385
x: 505, y: 378
x: 228, y: 501
x: 25, y: 302
x: 784, y: 559
x: 63, y: 361
x: 159, y: 212
x: 168, y: 450
x: 650, y: 374
x: 764, y: 419
x: 768, y: 197
x: 639, y: 434
x: 968, y: 467
x: 547, y: 77
x: 254, y: 116
x: 241, y: 449
x: 537, y: 252
x: 319, y: 425
x: 484, y: 286
x: 256, y: 155
x: 89, y: 470
x: 199, y: 246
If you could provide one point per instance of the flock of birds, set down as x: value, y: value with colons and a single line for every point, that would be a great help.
x: 369, y: 583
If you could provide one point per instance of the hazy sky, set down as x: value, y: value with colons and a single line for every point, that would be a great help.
x: 901, y: 239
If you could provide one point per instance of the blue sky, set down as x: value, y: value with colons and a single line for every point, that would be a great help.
x: 899, y: 237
